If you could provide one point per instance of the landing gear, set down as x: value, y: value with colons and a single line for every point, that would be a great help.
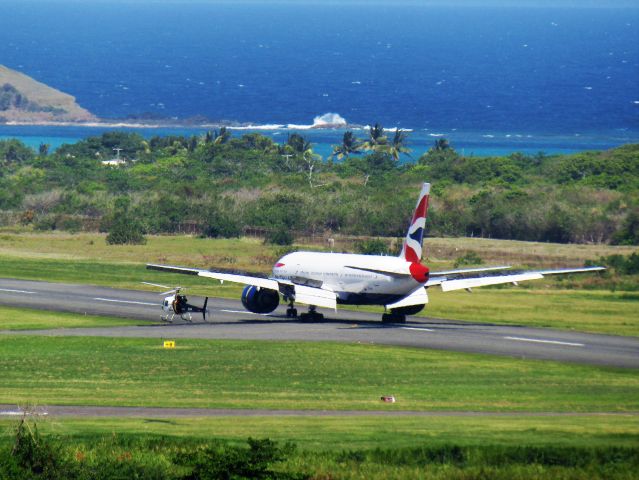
x: 291, y: 311
x: 393, y: 318
x: 311, y: 315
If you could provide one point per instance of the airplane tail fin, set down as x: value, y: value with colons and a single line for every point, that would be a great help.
x: 412, y: 249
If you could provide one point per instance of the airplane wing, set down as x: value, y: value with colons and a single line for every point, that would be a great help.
x: 448, y: 285
x: 469, y: 270
x: 247, y: 279
x: 309, y: 295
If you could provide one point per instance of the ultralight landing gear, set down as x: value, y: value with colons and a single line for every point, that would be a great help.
x: 311, y: 315
x: 393, y: 318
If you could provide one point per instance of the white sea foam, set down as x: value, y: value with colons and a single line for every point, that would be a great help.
x: 267, y: 126
x: 488, y: 136
x: 636, y: 102
x: 436, y: 134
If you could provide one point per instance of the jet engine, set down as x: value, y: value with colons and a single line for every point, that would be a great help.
x: 260, y: 300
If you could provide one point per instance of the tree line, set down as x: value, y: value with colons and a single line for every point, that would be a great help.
x: 221, y: 185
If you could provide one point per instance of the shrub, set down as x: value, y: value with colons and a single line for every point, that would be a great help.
x: 280, y: 236
x: 372, y: 246
x: 469, y: 258
x: 126, y: 231
x: 240, y: 463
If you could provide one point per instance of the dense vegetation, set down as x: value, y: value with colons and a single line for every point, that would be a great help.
x: 33, y: 456
x: 222, y: 186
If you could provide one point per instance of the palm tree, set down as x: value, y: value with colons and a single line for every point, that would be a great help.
x: 298, y: 143
x: 376, y: 139
x: 398, y: 145
x: 222, y: 136
x: 441, y: 144
x: 350, y: 146
x: 43, y: 150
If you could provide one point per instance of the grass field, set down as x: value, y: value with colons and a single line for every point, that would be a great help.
x: 584, y: 447
x: 254, y: 374
x: 253, y: 254
x: 344, y: 433
x: 597, y: 311
x: 28, y: 319
x: 245, y: 374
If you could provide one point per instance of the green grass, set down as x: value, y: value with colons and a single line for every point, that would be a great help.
x: 30, y: 319
x: 580, y: 447
x: 613, y: 313
x: 345, y: 433
x: 254, y: 374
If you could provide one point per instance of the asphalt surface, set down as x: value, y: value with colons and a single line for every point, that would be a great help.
x: 229, y: 320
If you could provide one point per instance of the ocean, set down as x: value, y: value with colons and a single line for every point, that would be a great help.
x: 492, y: 79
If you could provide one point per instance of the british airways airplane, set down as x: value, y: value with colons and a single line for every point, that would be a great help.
x: 328, y: 279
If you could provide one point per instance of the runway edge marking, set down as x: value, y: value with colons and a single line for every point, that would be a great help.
x: 10, y: 290
x: 538, y: 340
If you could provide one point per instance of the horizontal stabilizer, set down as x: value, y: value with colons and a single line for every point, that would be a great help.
x: 315, y: 296
x: 417, y: 297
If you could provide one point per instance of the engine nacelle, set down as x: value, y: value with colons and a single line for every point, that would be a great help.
x: 260, y: 300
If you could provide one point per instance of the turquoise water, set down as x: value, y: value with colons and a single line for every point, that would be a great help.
x: 324, y: 139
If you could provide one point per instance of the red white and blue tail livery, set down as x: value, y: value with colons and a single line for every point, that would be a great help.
x: 412, y: 249
x: 326, y: 280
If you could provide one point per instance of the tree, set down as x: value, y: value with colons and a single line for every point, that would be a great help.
x: 350, y: 146
x: 222, y: 136
x: 629, y: 232
x: 441, y: 144
x: 43, y: 150
x: 398, y: 145
x: 124, y: 226
x: 377, y: 140
x: 298, y: 143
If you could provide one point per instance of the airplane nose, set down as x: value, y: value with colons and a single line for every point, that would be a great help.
x: 419, y: 272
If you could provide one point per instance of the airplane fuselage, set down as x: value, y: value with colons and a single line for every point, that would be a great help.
x: 355, y: 279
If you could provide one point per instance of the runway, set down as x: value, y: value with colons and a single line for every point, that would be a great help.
x: 229, y: 320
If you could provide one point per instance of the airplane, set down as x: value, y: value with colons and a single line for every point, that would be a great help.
x: 400, y: 284
x: 176, y: 303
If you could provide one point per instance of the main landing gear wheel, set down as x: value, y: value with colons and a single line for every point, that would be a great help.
x: 291, y: 311
x: 311, y: 315
x: 393, y: 318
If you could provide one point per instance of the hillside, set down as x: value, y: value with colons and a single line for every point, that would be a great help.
x: 220, y: 185
x: 23, y: 99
